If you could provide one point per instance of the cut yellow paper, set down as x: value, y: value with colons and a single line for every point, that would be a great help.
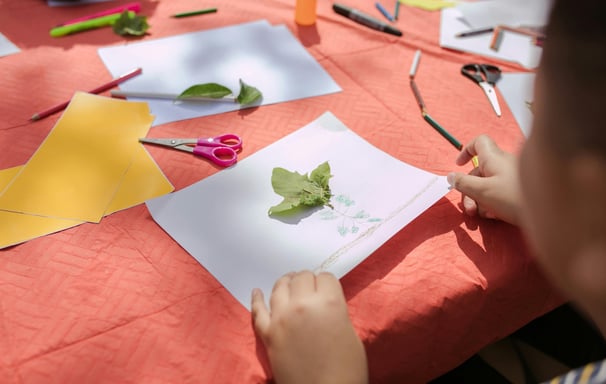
x: 6, y: 175
x: 16, y: 228
x: 77, y: 170
x: 143, y: 181
x: 429, y: 5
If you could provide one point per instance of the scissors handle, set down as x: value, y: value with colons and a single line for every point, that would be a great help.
x: 492, y: 73
x: 221, y: 150
x: 221, y: 155
x: 480, y: 73
x: 228, y: 140
x: 473, y: 72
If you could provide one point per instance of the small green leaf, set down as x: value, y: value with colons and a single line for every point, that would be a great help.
x: 321, y: 175
x: 287, y: 204
x: 212, y: 90
x: 301, y: 190
x: 248, y: 94
x: 130, y: 24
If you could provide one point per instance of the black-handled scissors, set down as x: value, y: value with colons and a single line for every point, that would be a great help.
x: 486, y: 76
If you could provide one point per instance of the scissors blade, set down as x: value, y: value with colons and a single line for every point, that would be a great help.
x: 179, y: 144
x: 492, y: 97
x: 167, y: 142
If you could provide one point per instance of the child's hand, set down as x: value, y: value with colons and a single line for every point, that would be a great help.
x: 492, y: 189
x: 308, y: 334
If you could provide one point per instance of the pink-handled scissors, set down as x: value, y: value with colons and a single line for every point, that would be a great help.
x: 221, y: 150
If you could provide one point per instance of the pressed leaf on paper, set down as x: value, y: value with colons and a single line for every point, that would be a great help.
x: 212, y: 90
x: 248, y: 94
x: 301, y: 190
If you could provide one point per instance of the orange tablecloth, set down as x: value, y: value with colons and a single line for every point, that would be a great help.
x: 120, y: 301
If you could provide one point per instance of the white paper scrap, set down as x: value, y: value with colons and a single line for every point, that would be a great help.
x: 514, y: 47
x: 7, y: 47
x: 514, y: 13
x: 518, y: 91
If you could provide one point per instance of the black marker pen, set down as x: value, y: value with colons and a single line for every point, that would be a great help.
x: 365, y: 19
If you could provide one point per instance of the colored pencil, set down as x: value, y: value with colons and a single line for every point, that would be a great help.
x: 497, y: 35
x: 384, y: 11
x: 442, y: 131
x: 474, y: 32
x: 169, y: 96
x: 415, y: 64
x: 417, y: 94
x: 135, y: 7
x: 396, y: 12
x: 421, y: 103
x: 195, y: 13
x: 99, y: 89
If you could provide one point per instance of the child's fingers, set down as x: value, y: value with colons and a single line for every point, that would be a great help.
x: 468, y: 185
x: 481, y: 146
x: 302, y: 284
x: 260, y: 313
x: 327, y: 282
x: 280, y: 293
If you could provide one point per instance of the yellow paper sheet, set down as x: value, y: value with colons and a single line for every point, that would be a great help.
x: 429, y: 5
x: 143, y: 181
x: 79, y: 167
x: 16, y: 228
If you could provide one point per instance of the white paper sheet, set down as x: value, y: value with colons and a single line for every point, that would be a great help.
x: 223, y: 222
x: 515, y: 13
x: 514, y: 47
x: 517, y: 90
x: 7, y: 47
x: 267, y: 57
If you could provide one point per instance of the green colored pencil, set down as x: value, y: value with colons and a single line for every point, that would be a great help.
x: 442, y: 131
x: 195, y: 13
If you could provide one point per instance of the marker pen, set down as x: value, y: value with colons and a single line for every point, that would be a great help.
x: 365, y: 19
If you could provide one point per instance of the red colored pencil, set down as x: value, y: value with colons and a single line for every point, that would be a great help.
x: 99, y: 89
x: 135, y: 7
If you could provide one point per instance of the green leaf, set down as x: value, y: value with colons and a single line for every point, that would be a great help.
x: 321, y: 175
x: 248, y: 94
x: 301, y: 190
x: 130, y: 24
x: 212, y: 90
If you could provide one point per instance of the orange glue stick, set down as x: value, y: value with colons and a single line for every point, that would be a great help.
x: 305, y: 12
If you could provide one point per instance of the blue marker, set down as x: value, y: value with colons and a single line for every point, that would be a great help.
x: 384, y: 11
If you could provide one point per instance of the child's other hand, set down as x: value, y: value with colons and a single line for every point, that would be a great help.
x: 492, y: 189
x: 307, y: 333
